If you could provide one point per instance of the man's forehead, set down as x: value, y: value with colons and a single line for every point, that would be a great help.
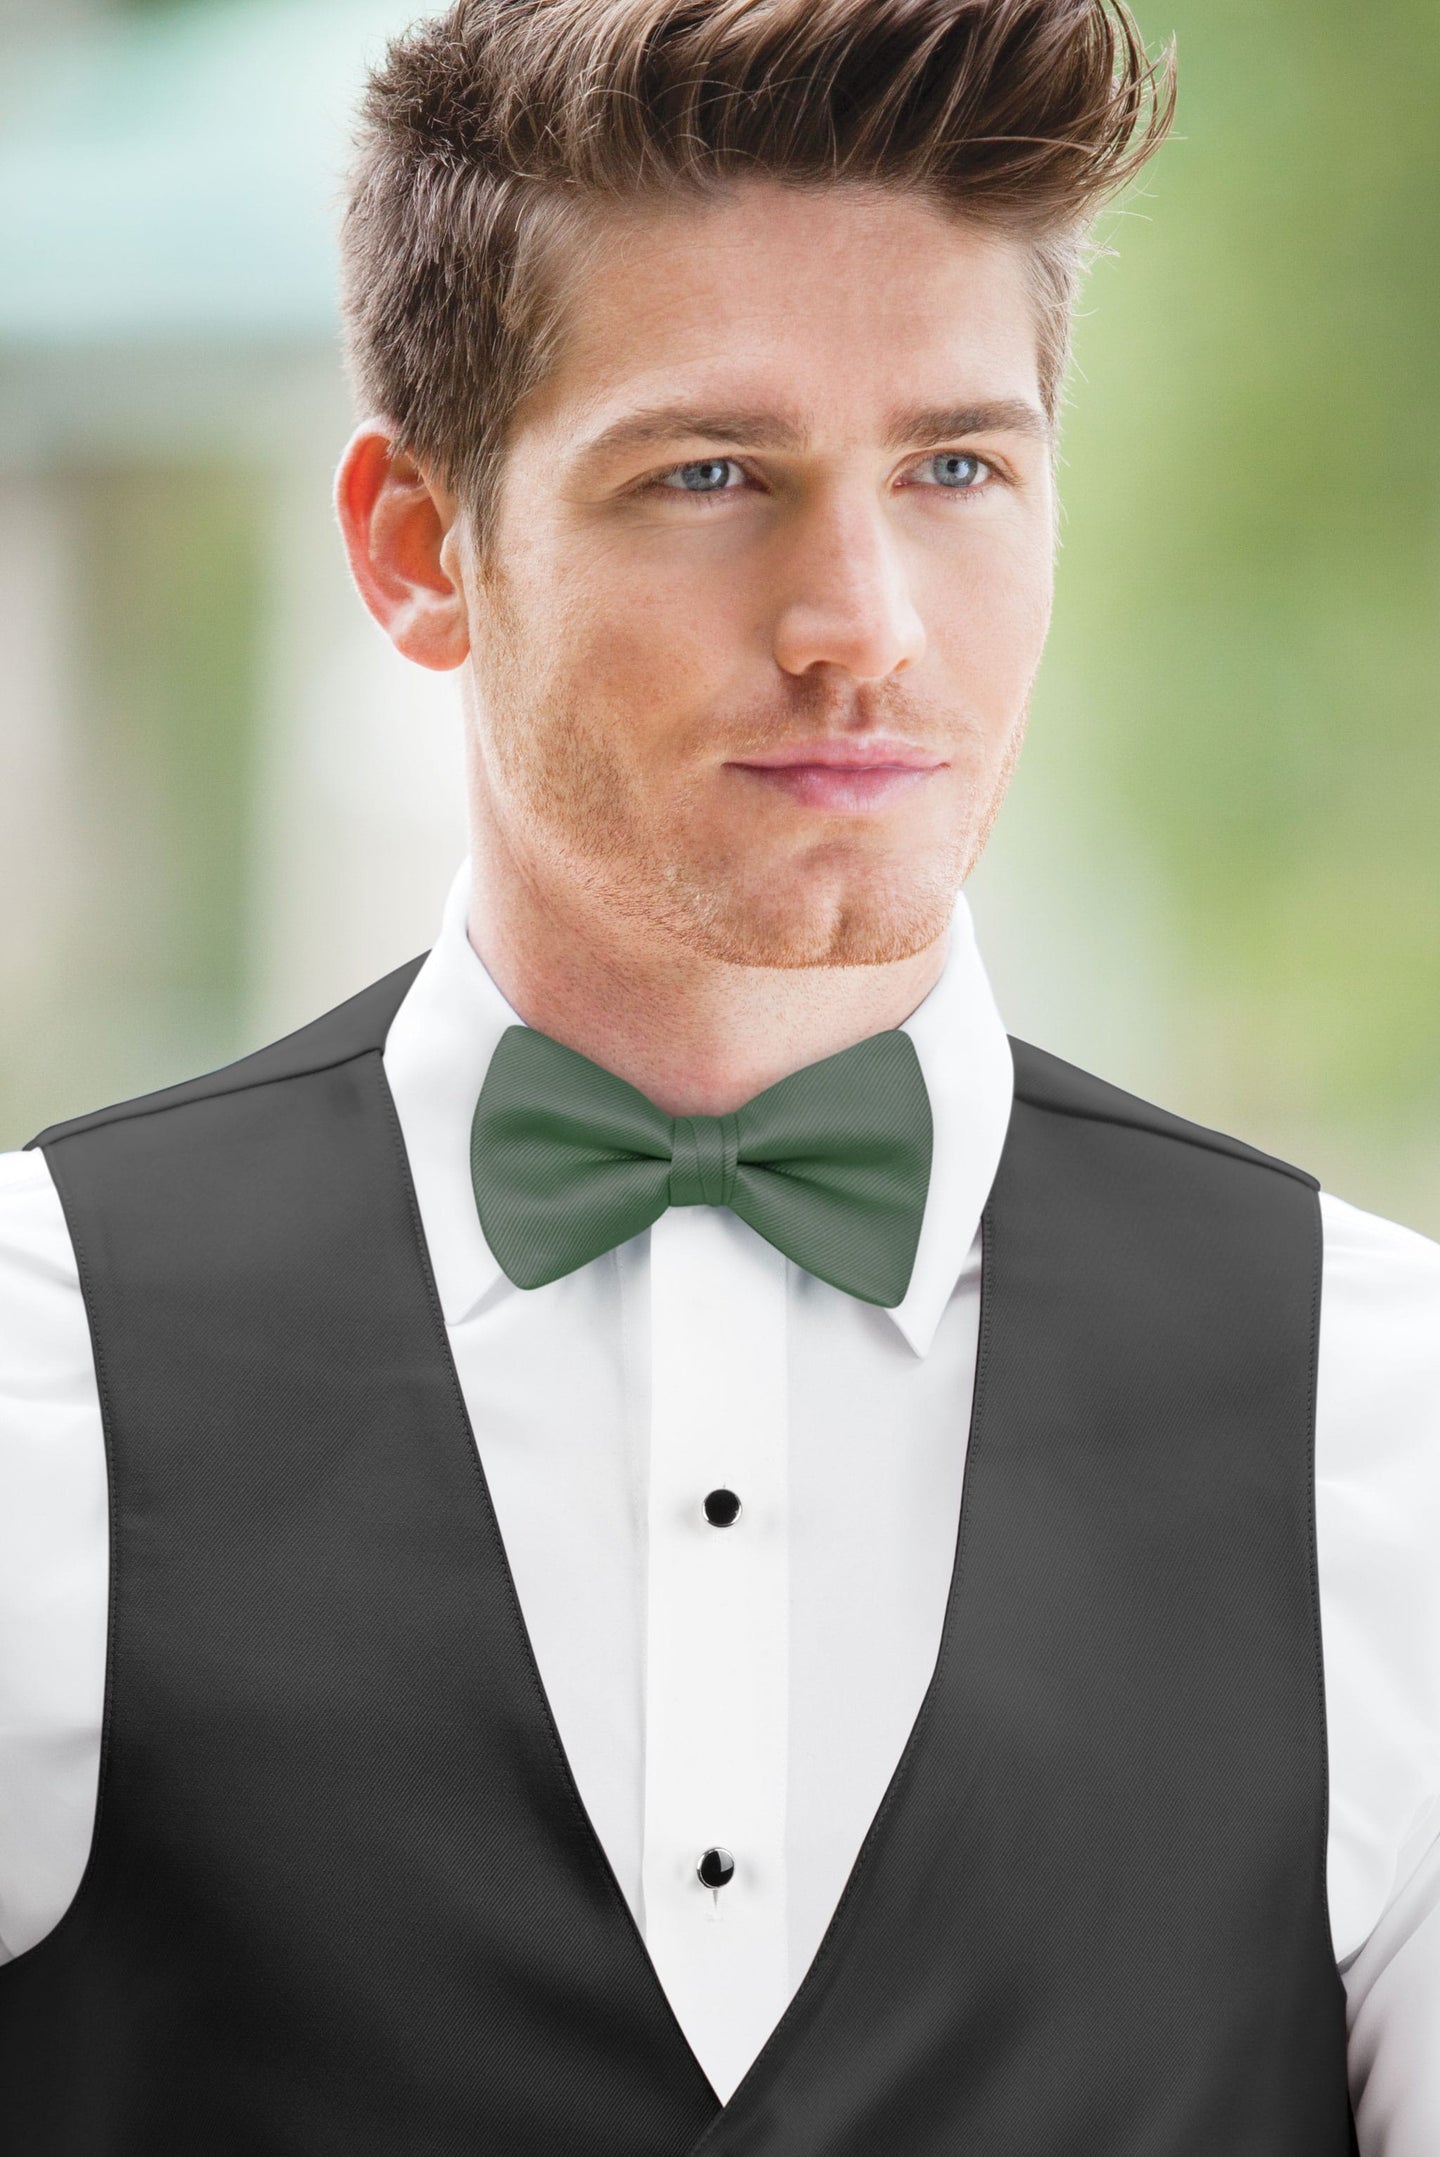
x: 789, y: 334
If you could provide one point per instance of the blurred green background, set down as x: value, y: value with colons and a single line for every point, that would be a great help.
x: 224, y: 804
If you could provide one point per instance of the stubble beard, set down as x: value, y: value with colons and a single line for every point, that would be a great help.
x: 582, y: 827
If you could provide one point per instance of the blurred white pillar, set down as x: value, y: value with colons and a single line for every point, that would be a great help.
x: 43, y: 883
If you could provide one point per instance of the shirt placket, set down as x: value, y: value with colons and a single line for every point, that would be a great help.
x: 717, y: 1651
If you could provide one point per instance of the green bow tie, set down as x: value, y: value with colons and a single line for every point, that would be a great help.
x: 831, y: 1165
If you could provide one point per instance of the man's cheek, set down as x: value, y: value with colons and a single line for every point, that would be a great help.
x: 652, y: 667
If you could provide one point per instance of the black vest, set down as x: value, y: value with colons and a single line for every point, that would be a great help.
x: 344, y: 1899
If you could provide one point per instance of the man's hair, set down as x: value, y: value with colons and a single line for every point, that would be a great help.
x: 491, y: 135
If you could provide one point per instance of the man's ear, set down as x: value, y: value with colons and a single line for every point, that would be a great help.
x: 395, y: 523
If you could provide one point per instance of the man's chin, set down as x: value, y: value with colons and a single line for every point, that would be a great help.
x: 872, y: 927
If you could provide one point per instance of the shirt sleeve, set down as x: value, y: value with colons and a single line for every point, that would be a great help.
x: 54, y: 1560
x: 1377, y: 1458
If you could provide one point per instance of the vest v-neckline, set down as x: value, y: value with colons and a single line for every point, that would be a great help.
x: 771, y: 2058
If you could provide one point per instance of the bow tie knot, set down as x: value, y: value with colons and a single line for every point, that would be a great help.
x: 831, y: 1165
x: 704, y: 1160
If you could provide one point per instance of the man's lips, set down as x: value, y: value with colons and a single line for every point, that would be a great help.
x: 844, y: 774
x: 852, y: 751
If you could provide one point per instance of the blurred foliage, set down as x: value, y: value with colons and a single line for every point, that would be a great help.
x: 147, y: 921
x: 171, y: 627
x: 1250, y: 601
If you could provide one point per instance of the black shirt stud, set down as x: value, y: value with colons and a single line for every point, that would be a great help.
x: 715, y: 1867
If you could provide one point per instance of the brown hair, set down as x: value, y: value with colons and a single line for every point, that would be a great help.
x: 488, y: 134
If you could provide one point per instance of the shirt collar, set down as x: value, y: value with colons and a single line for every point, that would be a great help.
x: 969, y: 1073
x: 444, y: 1033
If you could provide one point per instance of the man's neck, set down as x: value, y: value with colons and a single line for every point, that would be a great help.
x: 697, y: 1036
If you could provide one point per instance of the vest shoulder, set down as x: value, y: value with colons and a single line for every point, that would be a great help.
x: 1048, y: 1082
x: 351, y: 1029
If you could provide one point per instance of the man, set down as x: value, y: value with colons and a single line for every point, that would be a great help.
x: 555, y: 1698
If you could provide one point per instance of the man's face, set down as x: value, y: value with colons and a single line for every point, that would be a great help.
x: 844, y: 551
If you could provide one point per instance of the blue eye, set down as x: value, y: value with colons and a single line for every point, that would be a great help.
x: 690, y: 483
x: 960, y: 470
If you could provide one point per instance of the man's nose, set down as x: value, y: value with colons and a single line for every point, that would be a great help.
x: 843, y: 593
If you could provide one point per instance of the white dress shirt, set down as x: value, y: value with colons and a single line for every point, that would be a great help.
x: 753, y: 1687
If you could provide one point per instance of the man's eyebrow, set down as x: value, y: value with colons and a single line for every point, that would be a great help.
x: 767, y: 430
x: 1003, y: 415
x: 680, y: 423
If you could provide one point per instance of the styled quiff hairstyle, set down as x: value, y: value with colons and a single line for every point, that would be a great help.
x: 492, y: 135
